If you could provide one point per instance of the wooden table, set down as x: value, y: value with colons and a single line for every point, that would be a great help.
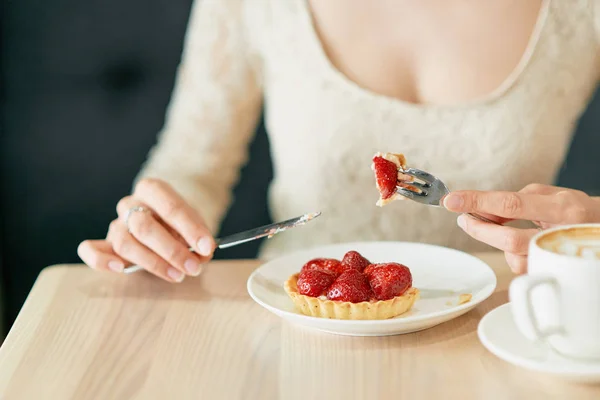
x: 87, y: 335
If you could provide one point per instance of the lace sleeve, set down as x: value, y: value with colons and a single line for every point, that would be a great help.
x: 213, y: 110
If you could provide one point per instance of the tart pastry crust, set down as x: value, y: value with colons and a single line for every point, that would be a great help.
x: 366, y: 310
x: 400, y: 161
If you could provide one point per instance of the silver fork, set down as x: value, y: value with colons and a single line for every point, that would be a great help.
x: 430, y: 190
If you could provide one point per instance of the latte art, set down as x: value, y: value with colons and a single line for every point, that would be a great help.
x: 576, y: 242
x: 589, y: 250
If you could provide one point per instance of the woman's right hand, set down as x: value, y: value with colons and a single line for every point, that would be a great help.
x: 155, y: 229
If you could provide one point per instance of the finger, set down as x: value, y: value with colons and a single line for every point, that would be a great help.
x: 505, y: 238
x: 491, y: 217
x: 574, y: 204
x: 98, y: 254
x: 540, y: 188
x: 532, y: 188
x: 149, y: 232
x: 127, y: 203
x: 127, y: 247
x: 510, y: 205
x: 517, y: 263
x: 177, y: 213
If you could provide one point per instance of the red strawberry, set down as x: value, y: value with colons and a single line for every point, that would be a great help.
x: 370, y: 268
x: 388, y: 280
x: 386, y: 176
x: 352, y: 285
x: 329, y: 265
x: 353, y: 259
x: 314, y: 282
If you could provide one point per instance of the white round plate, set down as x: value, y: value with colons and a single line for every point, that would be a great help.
x: 499, y: 334
x: 440, y: 274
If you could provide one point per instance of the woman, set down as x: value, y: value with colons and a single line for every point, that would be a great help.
x: 483, y: 94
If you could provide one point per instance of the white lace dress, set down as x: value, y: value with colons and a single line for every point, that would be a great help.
x: 324, y: 129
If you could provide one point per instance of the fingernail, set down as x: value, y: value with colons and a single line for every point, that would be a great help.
x: 453, y: 202
x: 192, y: 267
x: 175, y: 274
x: 205, y: 246
x: 462, y: 221
x: 116, y: 266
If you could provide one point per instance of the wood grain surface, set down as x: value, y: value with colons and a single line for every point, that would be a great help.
x: 89, y: 335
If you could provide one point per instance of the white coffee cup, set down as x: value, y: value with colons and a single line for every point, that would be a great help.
x: 558, y: 301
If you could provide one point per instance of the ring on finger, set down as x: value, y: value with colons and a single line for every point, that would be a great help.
x: 130, y: 212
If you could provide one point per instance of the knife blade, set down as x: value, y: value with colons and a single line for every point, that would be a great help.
x: 267, y: 231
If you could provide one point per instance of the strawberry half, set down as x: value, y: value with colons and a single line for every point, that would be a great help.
x: 328, y: 265
x: 388, y: 280
x: 314, y: 282
x: 386, y: 176
x: 352, y: 285
x: 353, y: 259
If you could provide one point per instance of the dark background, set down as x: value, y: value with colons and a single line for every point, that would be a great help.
x: 84, y: 86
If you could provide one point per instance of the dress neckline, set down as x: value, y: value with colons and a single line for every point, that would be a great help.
x: 509, y: 83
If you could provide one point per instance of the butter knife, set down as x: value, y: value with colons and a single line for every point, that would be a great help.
x: 267, y: 231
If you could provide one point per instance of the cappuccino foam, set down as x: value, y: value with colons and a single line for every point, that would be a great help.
x: 581, y: 242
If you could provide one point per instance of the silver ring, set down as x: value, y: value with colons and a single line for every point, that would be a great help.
x: 133, y: 210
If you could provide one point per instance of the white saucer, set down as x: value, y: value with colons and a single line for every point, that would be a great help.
x: 499, y: 334
x: 441, y: 275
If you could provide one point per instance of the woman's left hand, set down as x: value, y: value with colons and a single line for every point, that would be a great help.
x: 544, y: 205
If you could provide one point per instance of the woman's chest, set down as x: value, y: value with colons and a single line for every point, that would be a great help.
x: 331, y: 78
x: 432, y: 52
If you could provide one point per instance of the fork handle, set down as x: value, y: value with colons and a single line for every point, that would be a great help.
x: 483, y: 219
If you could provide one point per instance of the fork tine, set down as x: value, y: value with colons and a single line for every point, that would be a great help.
x: 417, y: 173
x: 409, y: 194
x: 417, y: 189
x: 417, y: 183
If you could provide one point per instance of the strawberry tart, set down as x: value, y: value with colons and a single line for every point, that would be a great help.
x: 389, y: 176
x: 352, y: 288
